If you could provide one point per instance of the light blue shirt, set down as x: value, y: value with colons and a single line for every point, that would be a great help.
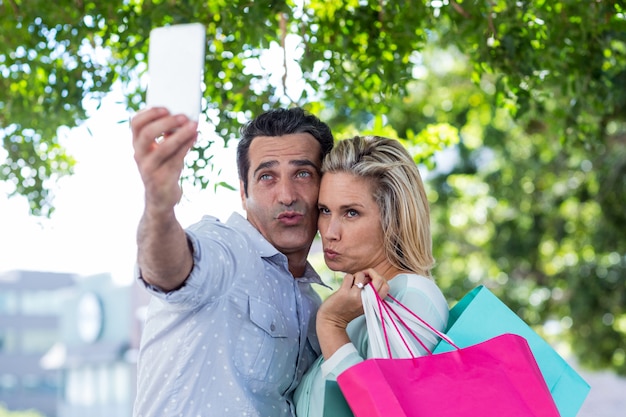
x: 420, y: 294
x: 236, y: 339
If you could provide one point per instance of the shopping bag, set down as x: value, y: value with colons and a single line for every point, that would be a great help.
x: 335, y: 404
x: 495, y: 378
x: 480, y: 316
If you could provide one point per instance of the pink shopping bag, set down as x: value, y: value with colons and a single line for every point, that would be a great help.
x: 496, y: 378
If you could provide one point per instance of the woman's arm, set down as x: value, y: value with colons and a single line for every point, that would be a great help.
x: 342, y: 307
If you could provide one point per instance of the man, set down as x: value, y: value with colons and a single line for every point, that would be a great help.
x: 230, y: 328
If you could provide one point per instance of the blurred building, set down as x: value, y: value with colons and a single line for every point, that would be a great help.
x: 94, y: 355
x: 30, y: 303
x: 77, y: 359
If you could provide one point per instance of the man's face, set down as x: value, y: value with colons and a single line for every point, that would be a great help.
x: 283, y: 184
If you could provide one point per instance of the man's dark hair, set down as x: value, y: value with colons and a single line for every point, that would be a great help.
x: 279, y: 122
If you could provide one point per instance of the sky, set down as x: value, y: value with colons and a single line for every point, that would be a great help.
x: 92, y: 229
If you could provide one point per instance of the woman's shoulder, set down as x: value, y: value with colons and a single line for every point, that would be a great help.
x: 408, y: 281
x: 419, y: 289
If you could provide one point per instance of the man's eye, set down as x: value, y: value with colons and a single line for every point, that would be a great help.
x: 303, y: 174
x: 265, y: 177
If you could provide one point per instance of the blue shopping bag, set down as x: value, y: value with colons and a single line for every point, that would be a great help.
x: 480, y: 316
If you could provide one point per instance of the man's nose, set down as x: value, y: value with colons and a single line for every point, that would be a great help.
x: 286, y: 193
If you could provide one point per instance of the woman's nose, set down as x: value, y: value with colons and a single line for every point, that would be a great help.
x: 330, y: 229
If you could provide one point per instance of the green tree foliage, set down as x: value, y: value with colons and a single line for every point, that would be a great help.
x: 540, y: 223
x: 533, y: 92
x: 354, y: 56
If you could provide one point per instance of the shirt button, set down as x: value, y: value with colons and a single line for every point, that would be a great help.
x: 272, y: 327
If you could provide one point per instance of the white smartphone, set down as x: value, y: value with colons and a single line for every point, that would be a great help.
x: 175, y: 67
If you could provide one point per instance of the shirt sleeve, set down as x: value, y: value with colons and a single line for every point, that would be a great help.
x: 187, y: 294
x: 345, y: 357
x: 214, y: 265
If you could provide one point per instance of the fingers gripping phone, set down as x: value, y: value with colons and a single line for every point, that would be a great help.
x: 175, y: 67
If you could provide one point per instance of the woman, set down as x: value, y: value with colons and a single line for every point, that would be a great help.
x: 375, y: 226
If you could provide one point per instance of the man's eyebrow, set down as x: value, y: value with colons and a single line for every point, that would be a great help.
x: 265, y: 165
x: 295, y: 162
x: 303, y: 163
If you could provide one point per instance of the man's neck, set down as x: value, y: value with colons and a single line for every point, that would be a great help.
x: 297, y: 264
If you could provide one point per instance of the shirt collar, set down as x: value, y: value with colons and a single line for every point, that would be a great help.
x: 312, y: 277
x: 267, y: 250
x: 238, y: 222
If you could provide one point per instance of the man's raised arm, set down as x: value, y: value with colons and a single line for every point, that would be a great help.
x: 160, y: 142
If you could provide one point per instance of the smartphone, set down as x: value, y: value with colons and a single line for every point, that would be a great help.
x: 175, y: 67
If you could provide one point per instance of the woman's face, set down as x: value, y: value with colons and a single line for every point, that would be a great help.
x: 349, y: 223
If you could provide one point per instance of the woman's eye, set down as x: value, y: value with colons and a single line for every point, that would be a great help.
x: 352, y: 213
x: 324, y: 210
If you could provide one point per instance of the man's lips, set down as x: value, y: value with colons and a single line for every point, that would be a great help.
x: 290, y: 218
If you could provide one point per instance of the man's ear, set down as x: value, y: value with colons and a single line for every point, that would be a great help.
x: 242, y: 193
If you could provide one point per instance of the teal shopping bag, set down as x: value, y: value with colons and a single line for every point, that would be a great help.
x: 480, y: 315
x: 335, y: 404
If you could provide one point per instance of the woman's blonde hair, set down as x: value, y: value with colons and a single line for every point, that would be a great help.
x: 398, y: 192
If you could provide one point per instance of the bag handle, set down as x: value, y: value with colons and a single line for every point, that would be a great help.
x: 383, y: 305
x: 385, y: 308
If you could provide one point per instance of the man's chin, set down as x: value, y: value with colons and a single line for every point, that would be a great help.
x: 294, y: 242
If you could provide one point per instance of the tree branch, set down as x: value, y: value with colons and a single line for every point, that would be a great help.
x: 16, y: 8
x: 460, y: 9
x: 283, y: 44
x: 492, y: 27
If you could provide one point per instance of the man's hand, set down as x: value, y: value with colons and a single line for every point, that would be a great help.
x: 161, y: 142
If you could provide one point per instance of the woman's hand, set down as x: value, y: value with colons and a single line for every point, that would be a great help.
x: 344, y: 306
